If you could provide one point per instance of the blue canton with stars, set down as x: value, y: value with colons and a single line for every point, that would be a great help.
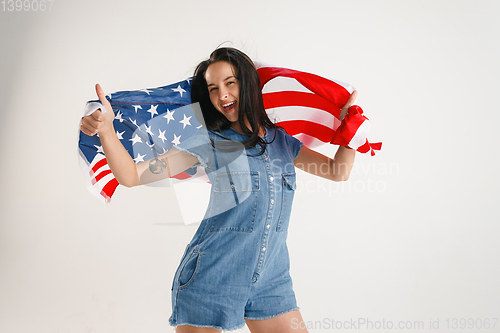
x: 148, y: 122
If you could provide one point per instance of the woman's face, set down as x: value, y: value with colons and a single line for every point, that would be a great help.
x: 224, y: 89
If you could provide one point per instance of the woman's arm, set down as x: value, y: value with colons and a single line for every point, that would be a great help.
x: 336, y: 169
x: 122, y: 165
x: 165, y: 166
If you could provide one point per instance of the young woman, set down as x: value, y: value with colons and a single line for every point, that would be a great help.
x: 235, y: 270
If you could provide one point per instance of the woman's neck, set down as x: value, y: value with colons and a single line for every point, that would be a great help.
x: 236, y: 126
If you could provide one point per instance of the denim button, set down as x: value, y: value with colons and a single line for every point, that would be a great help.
x: 271, y: 179
x: 268, y: 226
x: 272, y: 201
x: 263, y: 249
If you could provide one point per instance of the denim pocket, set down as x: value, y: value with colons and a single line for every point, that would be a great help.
x: 234, y: 204
x: 180, y: 264
x: 190, y: 269
x: 287, y: 190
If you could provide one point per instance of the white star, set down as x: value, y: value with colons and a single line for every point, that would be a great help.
x: 135, y: 139
x: 148, y: 130
x: 176, y: 140
x: 188, y: 81
x: 146, y: 91
x: 139, y: 158
x: 164, y: 150
x: 162, y: 136
x: 119, y: 116
x: 133, y: 122
x: 198, y: 127
x: 185, y: 121
x: 150, y: 146
x: 137, y: 107
x: 108, y: 95
x: 179, y: 90
x: 169, y: 115
x: 119, y: 135
x: 99, y: 149
x: 152, y: 110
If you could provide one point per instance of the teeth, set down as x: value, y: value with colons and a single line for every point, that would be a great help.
x: 228, y: 104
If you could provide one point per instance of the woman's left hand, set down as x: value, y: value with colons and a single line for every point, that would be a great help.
x: 347, y: 105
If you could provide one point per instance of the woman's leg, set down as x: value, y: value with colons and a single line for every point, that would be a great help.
x: 289, y: 322
x: 193, y: 329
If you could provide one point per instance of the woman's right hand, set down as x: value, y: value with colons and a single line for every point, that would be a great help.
x: 99, y: 122
x: 124, y: 168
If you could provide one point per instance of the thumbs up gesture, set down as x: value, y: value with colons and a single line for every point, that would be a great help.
x: 100, y: 121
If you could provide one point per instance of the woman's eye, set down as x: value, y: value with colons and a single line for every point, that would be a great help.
x: 212, y: 89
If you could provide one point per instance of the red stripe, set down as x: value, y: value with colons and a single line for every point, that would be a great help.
x: 181, y: 175
x: 100, y: 175
x: 364, y: 148
x: 329, y: 90
x: 108, y: 190
x: 349, y: 126
x: 99, y: 165
x: 376, y: 146
x: 295, y: 98
x: 320, y: 132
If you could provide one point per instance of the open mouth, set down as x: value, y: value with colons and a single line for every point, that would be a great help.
x: 229, y: 107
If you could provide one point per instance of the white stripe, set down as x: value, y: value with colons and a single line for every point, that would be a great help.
x: 95, y: 190
x: 347, y: 86
x: 259, y: 64
x: 360, y: 136
x: 97, y: 159
x: 309, y: 141
x: 99, y: 185
x: 282, y: 83
x: 91, y: 107
x: 84, y: 166
x: 103, y: 181
x: 319, y: 116
x: 98, y: 173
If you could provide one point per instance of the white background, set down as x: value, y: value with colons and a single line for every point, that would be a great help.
x: 412, y: 236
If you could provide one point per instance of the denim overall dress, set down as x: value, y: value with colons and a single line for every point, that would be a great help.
x: 236, y: 266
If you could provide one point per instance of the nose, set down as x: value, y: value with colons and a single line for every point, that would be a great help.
x: 223, y: 94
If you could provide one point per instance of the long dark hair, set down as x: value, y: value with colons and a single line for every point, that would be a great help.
x: 250, y: 103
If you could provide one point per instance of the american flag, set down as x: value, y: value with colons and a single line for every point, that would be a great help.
x: 149, y: 122
x: 308, y: 107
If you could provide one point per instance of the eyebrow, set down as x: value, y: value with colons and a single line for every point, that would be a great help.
x: 227, y: 78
